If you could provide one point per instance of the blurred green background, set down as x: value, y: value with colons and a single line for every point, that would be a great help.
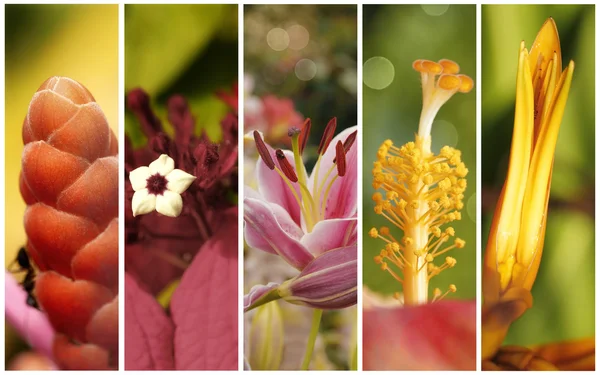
x: 563, y: 293
x: 402, y: 34
x: 186, y: 49
x: 77, y: 41
x: 306, y: 53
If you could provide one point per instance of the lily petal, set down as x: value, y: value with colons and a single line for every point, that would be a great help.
x: 342, y: 197
x: 143, y: 202
x: 179, y: 181
x: 259, y: 216
x: 163, y: 165
x: 260, y: 294
x: 275, y: 189
x: 434, y: 336
x: 330, y: 234
x: 138, y: 177
x: 169, y: 204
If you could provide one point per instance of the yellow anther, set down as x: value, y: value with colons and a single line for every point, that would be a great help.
x: 391, y: 195
x: 378, y: 209
x: 373, y: 233
x: 378, y: 259
x: 449, y: 66
x: 429, y: 258
x: 414, y: 204
x: 466, y: 83
x: 407, y: 241
x: 377, y: 197
x: 451, y: 262
x: 452, y: 288
x: 384, y: 266
x: 384, y: 231
x: 449, y: 231
x: 459, y: 243
x: 436, y: 231
x: 449, y: 82
x: 395, y: 246
x: 388, y: 143
x: 397, y: 296
x: 428, y: 179
x: 437, y: 293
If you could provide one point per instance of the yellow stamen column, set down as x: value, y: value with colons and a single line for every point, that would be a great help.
x: 416, y: 283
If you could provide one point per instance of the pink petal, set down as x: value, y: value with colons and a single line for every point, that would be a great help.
x: 342, y: 197
x: 254, y: 239
x: 32, y: 324
x: 330, y: 234
x: 148, y: 331
x: 435, y: 336
x: 205, y: 305
x: 266, y: 229
x: 274, y: 188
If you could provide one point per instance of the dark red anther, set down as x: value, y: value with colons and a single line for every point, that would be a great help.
x: 327, y: 135
x: 286, y: 167
x: 304, y: 135
x: 340, y: 156
x: 263, y: 151
x: 348, y: 142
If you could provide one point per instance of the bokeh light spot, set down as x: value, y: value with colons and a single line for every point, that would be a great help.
x: 378, y: 73
x: 443, y: 133
x: 278, y: 39
x: 472, y: 207
x: 306, y: 69
x: 435, y: 9
x: 298, y: 36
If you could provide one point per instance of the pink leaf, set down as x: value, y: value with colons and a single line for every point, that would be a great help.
x: 205, y: 305
x: 435, y: 336
x: 148, y: 331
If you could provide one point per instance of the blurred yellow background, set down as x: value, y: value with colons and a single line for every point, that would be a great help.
x: 77, y: 41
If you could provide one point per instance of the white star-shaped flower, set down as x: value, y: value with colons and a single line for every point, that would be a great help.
x: 159, y: 187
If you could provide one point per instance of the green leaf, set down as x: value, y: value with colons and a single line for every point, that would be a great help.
x: 163, y: 40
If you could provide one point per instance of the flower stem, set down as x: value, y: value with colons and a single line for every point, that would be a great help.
x: 312, y: 338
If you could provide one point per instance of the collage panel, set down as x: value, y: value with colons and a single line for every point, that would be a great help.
x: 61, y: 223
x: 538, y: 189
x: 181, y: 178
x: 300, y: 193
x: 419, y: 187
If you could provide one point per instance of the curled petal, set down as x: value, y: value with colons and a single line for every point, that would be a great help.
x: 169, y: 204
x: 163, y: 165
x: 258, y: 215
x: 143, y: 202
x: 138, y: 177
x: 330, y: 234
x: 179, y: 181
x: 260, y: 294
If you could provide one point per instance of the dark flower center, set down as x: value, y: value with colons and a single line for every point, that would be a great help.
x: 156, y: 184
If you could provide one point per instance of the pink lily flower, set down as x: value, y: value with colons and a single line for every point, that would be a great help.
x: 299, y: 216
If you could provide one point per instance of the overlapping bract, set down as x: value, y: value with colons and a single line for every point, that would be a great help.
x: 69, y: 180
